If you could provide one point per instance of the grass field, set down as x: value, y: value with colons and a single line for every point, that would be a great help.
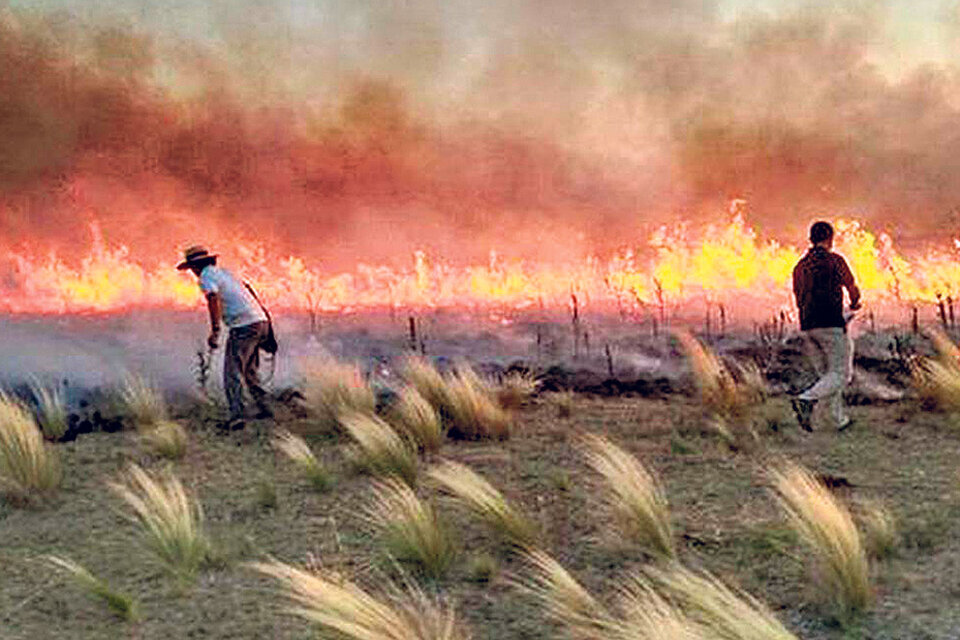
x: 258, y: 505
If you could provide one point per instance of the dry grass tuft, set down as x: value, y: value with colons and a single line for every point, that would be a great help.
x: 410, y: 528
x: 120, y: 604
x: 51, y: 409
x: 466, y: 404
x: 428, y: 382
x: 298, y: 451
x: 480, y: 497
x: 166, y: 438
x: 419, y: 420
x: 28, y: 468
x: 380, y: 450
x: 345, y: 611
x: 142, y: 401
x: 635, y: 495
x: 718, y: 610
x: 170, y: 521
x: 474, y: 413
x: 827, y: 528
x: 879, y: 529
x: 937, y: 380
x: 727, y: 396
x: 564, y: 599
x: 331, y: 389
x: 648, y: 615
x: 516, y: 388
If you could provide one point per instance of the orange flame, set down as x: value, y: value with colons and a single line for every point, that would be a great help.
x: 725, y: 264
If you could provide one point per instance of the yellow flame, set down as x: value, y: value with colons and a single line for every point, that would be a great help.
x: 723, y: 264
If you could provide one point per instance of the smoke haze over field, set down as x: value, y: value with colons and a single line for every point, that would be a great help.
x: 361, y: 131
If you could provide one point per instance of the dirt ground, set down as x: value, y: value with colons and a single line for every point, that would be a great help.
x: 725, y: 519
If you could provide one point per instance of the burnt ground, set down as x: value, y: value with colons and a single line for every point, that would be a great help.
x: 724, y: 516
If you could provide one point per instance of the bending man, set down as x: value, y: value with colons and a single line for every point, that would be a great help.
x: 818, y: 282
x: 228, y: 299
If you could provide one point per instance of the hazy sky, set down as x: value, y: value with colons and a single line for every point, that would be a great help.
x: 912, y: 31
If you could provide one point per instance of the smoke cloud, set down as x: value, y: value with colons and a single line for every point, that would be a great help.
x: 361, y: 131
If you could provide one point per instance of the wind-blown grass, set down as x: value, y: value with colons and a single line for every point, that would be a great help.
x: 419, y: 420
x: 937, y: 380
x: 120, y: 604
x: 142, y: 401
x: 480, y: 497
x: 410, y: 529
x: 331, y: 389
x: 298, y: 451
x: 473, y: 412
x: 428, y: 382
x: 828, y: 530
x: 51, y: 409
x: 563, y: 598
x: 727, y: 396
x: 165, y: 438
x: 516, y: 388
x: 466, y: 404
x: 635, y: 496
x: 28, y: 468
x: 721, y: 612
x: 343, y: 610
x: 648, y: 615
x: 171, y: 522
x: 379, y: 449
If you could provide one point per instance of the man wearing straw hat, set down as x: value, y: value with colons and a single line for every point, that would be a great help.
x: 818, y: 282
x: 232, y: 302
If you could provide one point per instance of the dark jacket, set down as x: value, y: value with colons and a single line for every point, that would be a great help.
x: 818, y: 281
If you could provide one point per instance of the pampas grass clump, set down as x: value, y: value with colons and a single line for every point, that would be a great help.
x: 28, y: 468
x: 564, y: 599
x: 480, y: 497
x: 937, y: 380
x: 410, y: 528
x: 728, y: 396
x: 634, y: 495
x: 473, y: 412
x: 142, y: 401
x: 345, y: 611
x: 721, y: 612
x: 428, y: 382
x: 828, y: 530
x: 379, y: 449
x: 171, y: 522
x: 51, y: 409
x: 299, y: 453
x: 331, y: 389
x: 466, y: 404
x: 419, y: 420
x: 166, y: 438
x: 516, y: 388
x: 120, y: 604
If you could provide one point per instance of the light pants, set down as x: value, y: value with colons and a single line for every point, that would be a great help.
x: 831, y: 351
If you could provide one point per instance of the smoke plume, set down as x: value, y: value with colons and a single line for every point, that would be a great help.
x: 544, y: 129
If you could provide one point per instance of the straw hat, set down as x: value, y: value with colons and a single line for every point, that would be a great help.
x: 196, y: 255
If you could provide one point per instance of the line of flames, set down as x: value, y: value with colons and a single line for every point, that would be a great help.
x: 723, y: 266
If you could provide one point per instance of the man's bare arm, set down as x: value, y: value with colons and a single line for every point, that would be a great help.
x: 216, y: 311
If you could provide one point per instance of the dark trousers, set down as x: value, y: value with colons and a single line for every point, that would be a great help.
x: 241, y: 365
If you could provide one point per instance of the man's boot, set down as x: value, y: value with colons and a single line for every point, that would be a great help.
x: 803, y: 409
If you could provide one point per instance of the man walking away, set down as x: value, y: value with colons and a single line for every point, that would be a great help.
x: 818, y: 281
x: 228, y: 299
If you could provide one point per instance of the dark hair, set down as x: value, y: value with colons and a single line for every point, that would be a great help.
x: 820, y: 231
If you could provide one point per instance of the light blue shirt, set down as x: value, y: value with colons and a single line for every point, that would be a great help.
x: 239, y: 307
